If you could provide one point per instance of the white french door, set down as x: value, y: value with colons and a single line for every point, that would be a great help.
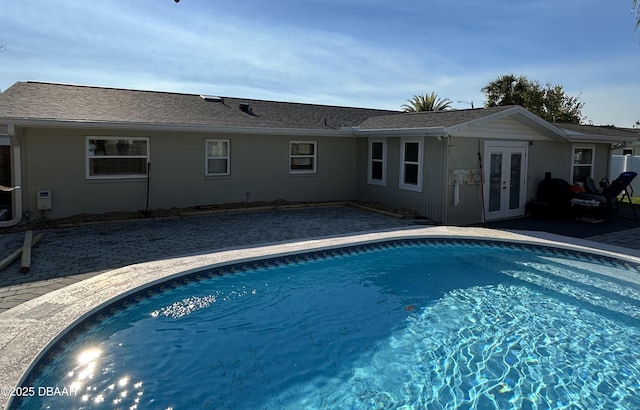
x: 504, y: 179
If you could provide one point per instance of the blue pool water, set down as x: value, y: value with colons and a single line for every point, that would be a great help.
x: 433, y: 325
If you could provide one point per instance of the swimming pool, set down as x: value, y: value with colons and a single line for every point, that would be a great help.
x: 423, y: 323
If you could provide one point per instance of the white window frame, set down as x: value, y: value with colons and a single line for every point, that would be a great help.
x: 382, y: 161
x: 90, y: 150
x: 402, y: 184
x: 314, y: 158
x: 226, y: 157
x: 573, y: 158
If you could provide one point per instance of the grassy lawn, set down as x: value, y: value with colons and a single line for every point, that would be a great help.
x: 634, y: 200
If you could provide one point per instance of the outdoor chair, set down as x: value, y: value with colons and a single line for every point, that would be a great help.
x: 590, y: 186
x: 606, y: 201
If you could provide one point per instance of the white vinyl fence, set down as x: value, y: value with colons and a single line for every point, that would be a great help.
x: 622, y: 163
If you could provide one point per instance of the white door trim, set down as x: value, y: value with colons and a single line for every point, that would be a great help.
x: 506, y: 148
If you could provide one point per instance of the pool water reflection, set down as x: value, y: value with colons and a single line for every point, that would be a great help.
x: 427, y: 324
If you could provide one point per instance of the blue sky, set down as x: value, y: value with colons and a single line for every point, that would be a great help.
x: 368, y: 53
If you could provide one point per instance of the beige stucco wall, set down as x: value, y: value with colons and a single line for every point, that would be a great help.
x: 55, y: 159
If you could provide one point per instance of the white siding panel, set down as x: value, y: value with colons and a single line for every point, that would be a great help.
x: 504, y: 128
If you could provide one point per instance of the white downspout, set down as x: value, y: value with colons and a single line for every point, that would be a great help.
x: 16, y: 164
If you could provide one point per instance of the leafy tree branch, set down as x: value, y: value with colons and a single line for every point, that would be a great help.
x: 548, y: 101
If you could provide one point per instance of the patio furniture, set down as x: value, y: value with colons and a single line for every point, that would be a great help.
x: 591, y: 206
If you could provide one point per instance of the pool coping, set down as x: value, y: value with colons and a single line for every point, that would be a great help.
x: 29, y: 328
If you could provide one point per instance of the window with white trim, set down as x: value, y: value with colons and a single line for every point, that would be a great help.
x: 411, y: 164
x: 377, y: 173
x: 303, y: 157
x: 117, y: 157
x: 583, y: 159
x: 218, y: 156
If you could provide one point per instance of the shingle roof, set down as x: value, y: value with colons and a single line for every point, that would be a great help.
x: 575, y: 130
x: 60, y: 102
x: 26, y: 101
x: 427, y: 119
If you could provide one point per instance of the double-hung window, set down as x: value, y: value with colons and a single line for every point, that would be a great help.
x: 217, y: 161
x: 303, y: 156
x: 411, y: 164
x: 377, y: 173
x: 117, y: 157
x: 582, y: 162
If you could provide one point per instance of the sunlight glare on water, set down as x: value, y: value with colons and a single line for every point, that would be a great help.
x: 436, y: 326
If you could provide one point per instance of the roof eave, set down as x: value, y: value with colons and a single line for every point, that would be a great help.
x: 401, y: 132
x: 601, y: 139
x: 110, y: 125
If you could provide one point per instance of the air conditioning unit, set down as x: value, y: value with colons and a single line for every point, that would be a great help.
x: 43, y: 200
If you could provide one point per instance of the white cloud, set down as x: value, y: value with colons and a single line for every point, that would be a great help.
x: 204, y: 48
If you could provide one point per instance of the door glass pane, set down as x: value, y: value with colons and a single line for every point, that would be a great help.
x: 495, y: 181
x: 514, y: 181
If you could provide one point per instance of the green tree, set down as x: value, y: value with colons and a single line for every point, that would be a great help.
x: 510, y: 90
x: 549, y: 101
x: 427, y: 102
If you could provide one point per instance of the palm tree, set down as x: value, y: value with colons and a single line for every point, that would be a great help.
x: 508, y: 90
x: 636, y: 9
x: 427, y: 102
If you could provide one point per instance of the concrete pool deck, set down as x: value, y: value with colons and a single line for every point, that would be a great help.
x: 77, y: 270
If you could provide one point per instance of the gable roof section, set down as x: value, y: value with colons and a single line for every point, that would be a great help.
x: 598, y: 133
x: 427, y: 119
x: 457, y: 122
x: 26, y: 102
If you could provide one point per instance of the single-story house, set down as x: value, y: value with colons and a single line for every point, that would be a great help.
x: 82, y: 149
